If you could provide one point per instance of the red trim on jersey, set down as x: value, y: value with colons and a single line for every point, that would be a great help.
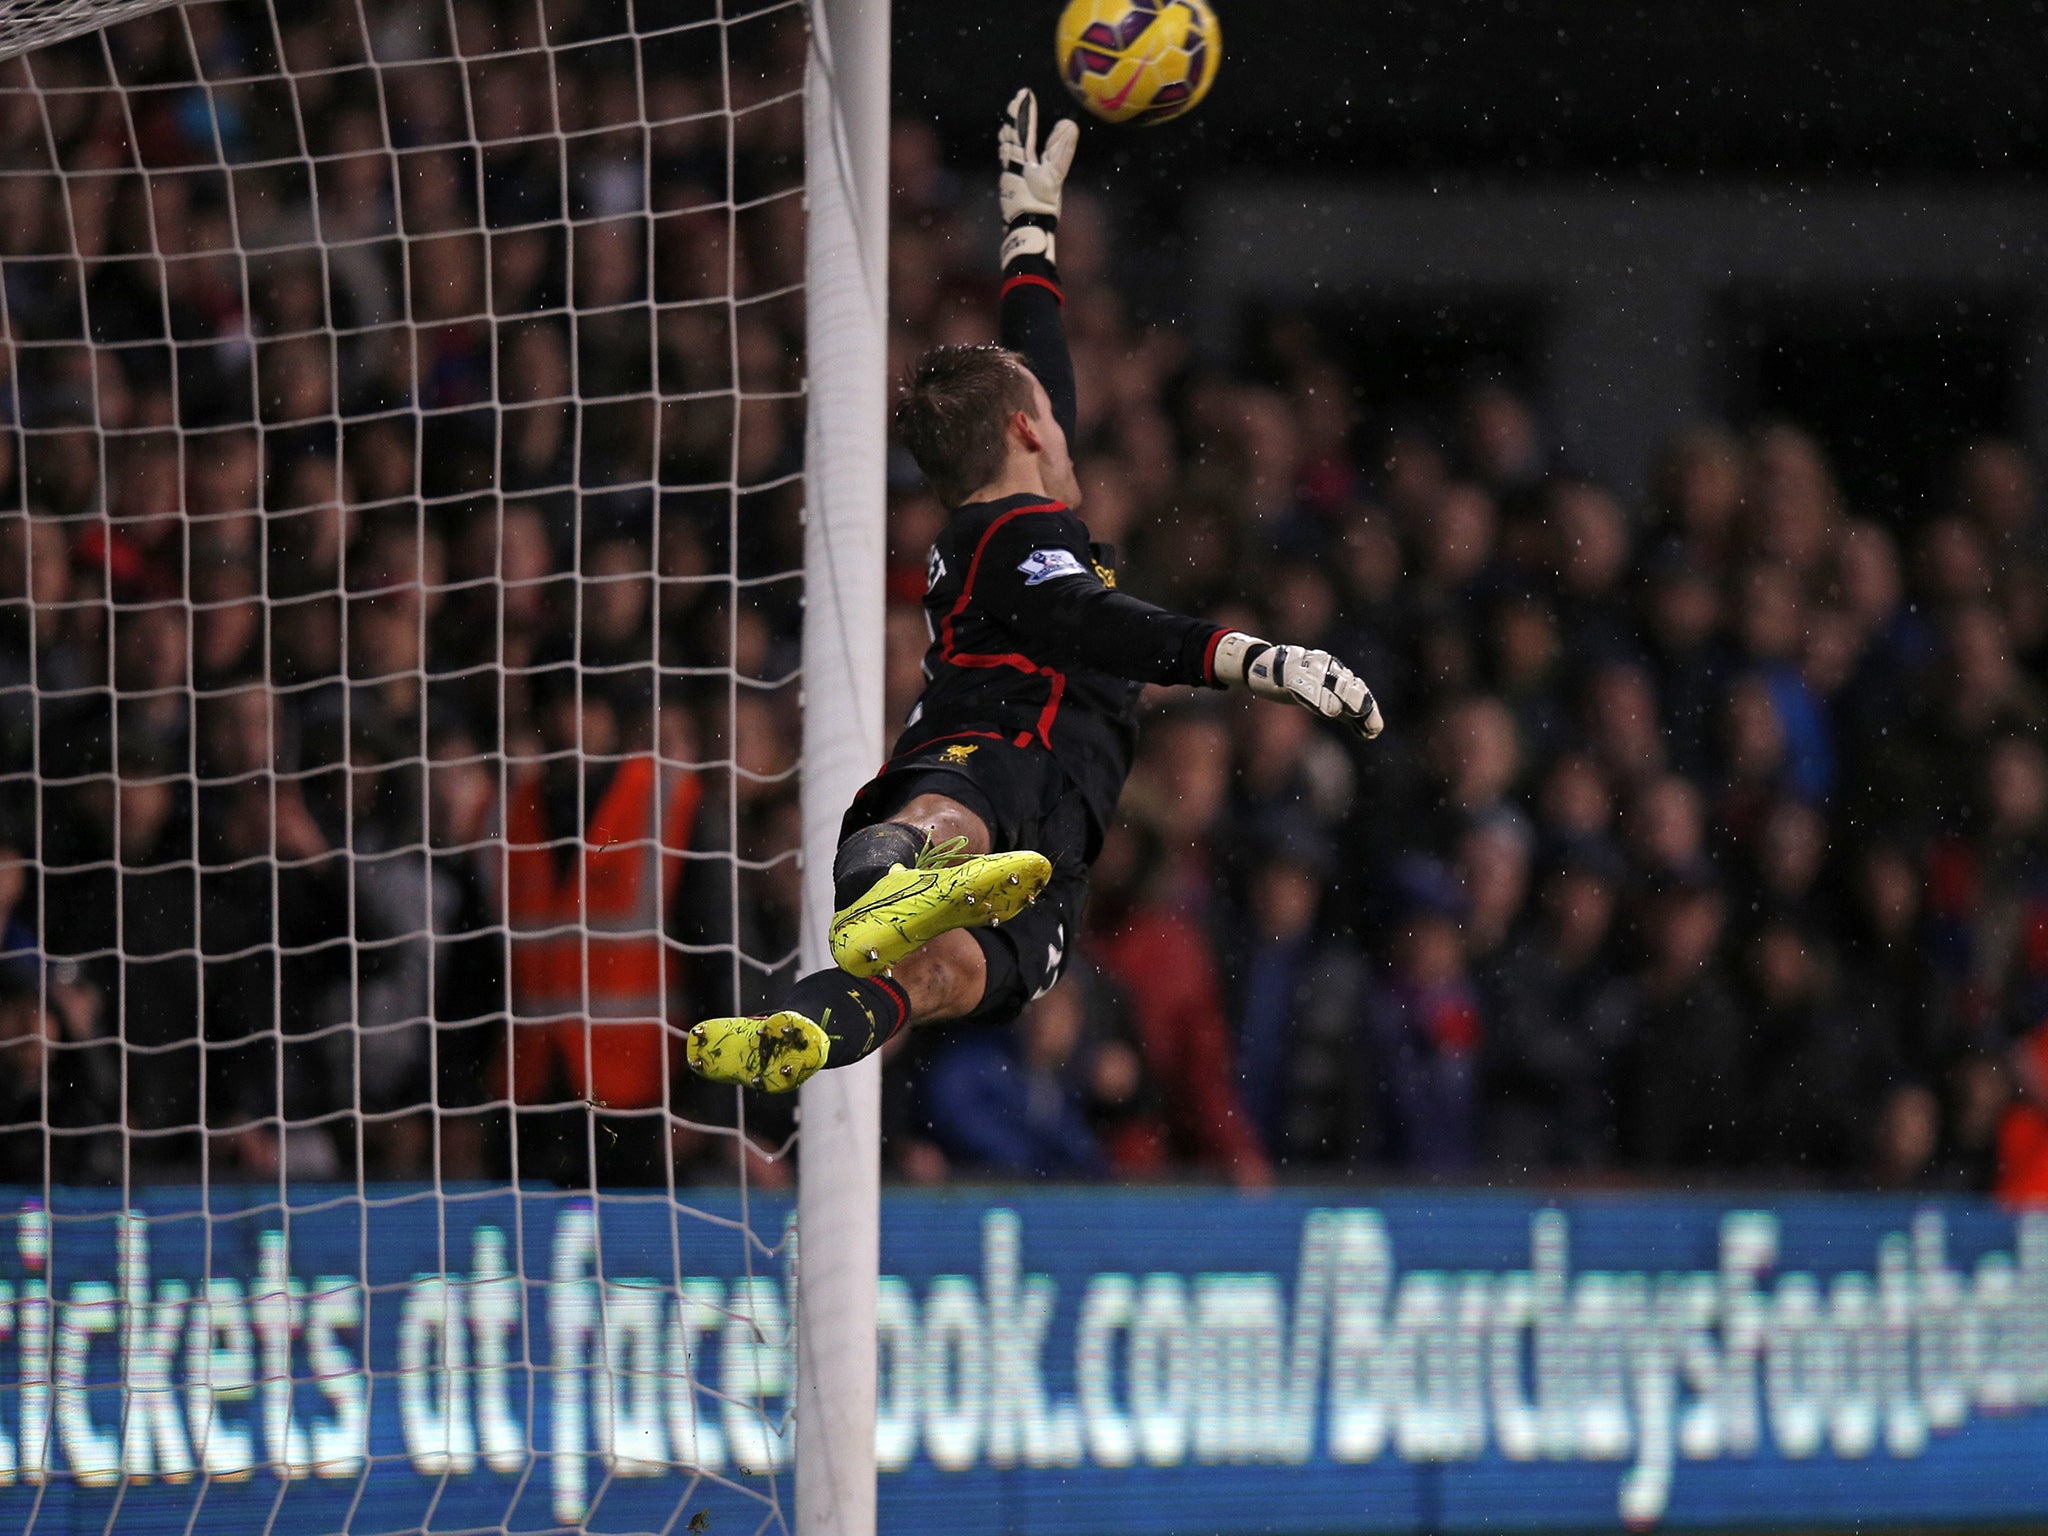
x: 1058, y: 679
x: 1033, y: 280
x: 1209, y: 657
x: 1051, y: 712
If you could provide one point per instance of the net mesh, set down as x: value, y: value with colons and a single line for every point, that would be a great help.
x: 27, y: 24
x: 399, y: 588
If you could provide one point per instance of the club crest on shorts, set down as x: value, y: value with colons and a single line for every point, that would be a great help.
x: 958, y: 753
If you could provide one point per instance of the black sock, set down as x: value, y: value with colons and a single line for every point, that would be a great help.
x: 868, y: 855
x: 860, y: 1013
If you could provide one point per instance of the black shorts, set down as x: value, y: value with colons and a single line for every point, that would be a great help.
x: 1028, y: 802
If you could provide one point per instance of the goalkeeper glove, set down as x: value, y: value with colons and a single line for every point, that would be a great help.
x: 1029, y: 188
x: 1293, y: 674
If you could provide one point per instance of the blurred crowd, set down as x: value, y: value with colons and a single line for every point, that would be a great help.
x: 1708, y: 838
x: 338, y: 449
x: 354, y: 476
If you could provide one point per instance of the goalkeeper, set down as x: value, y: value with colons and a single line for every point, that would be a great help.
x: 963, y: 864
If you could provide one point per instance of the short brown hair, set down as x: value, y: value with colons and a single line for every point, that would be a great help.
x: 952, y: 414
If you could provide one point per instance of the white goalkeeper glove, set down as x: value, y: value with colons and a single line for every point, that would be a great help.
x: 1029, y: 188
x: 1293, y: 674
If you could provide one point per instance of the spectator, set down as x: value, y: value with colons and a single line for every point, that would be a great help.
x: 2010, y: 939
x: 593, y: 838
x: 1699, y: 496
x: 1559, y: 1016
x: 1455, y: 548
x: 1500, y: 438
x: 1754, y: 769
x: 1908, y: 1139
x: 1162, y: 964
x: 153, y: 988
x: 1996, y: 489
x: 1291, y: 774
x: 1680, y: 1095
x: 1682, y: 616
x: 1981, y: 697
x: 469, y: 962
x: 1004, y: 1101
x: 1981, y: 1094
x: 20, y: 954
x: 1790, y: 502
x: 1773, y: 623
x: 1494, y: 860
x: 1812, y: 1072
x: 1588, y: 557
x: 1895, y: 648
x: 276, y: 946
x: 1528, y: 653
x: 1621, y: 725
x: 2023, y: 1130
x: 1478, y: 759
x: 60, y: 1102
x: 1426, y: 1029
x: 1303, y: 1057
x: 1888, y: 982
x: 1183, y: 782
x: 1667, y: 830
x: 1576, y: 802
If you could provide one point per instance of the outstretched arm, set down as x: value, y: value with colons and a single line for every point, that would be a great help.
x: 1029, y: 192
x: 1036, y: 569
x: 1036, y: 572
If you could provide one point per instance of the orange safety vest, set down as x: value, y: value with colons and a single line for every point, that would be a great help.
x: 590, y: 969
x: 2023, y: 1137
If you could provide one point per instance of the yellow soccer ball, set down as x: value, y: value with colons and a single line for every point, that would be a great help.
x: 1138, y: 61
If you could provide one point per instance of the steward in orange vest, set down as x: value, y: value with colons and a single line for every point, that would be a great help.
x: 591, y: 974
x: 2023, y: 1133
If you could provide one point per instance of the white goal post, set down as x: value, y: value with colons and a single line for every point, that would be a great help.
x: 845, y: 548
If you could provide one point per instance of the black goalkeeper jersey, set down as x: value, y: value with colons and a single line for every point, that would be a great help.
x: 1030, y: 640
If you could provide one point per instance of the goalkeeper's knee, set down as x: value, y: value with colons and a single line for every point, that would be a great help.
x: 868, y: 855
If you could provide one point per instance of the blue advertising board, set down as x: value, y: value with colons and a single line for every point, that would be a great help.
x: 1081, y: 1361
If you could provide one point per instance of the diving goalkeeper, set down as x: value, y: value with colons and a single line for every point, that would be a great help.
x: 963, y: 865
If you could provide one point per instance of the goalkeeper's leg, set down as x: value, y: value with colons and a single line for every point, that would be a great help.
x: 980, y: 974
x: 927, y: 870
x: 832, y: 1019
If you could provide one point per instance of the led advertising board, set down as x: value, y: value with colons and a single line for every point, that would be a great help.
x: 1082, y: 1361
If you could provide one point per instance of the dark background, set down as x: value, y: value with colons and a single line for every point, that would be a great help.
x: 1537, y: 98
x: 1654, y: 90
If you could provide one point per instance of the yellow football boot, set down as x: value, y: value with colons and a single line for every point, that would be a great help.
x: 777, y: 1052
x: 947, y: 889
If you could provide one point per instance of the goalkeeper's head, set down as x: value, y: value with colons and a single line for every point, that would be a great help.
x: 980, y: 426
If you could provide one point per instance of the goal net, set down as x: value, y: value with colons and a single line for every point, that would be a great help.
x: 402, y: 572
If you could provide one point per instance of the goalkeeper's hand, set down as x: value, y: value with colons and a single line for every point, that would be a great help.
x: 1029, y: 188
x: 1294, y: 674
